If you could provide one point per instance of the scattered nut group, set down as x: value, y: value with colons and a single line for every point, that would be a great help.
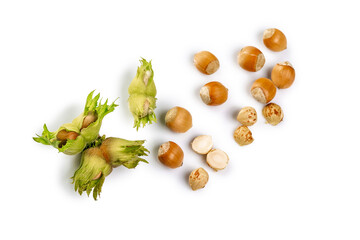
x: 215, y: 93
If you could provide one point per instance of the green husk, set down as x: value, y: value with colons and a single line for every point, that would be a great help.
x: 92, y: 164
x: 123, y: 152
x: 142, y: 91
x: 86, y: 135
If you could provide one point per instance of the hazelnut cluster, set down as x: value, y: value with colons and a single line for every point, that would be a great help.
x: 214, y: 93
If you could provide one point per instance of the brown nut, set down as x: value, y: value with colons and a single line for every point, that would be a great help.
x: 88, y: 119
x: 213, y: 93
x: 243, y: 136
x: 274, y: 39
x: 171, y: 155
x: 217, y: 159
x: 64, y: 135
x: 273, y: 113
x: 247, y: 116
x: 202, y: 144
x: 178, y: 119
x: 251, y: 59
x: 198, y: 179
x: 263, y: 90
x: 283, y: 74
x: 206, y: 62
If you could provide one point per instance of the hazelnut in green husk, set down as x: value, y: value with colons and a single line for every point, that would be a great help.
x: 72, y: 138
x: 142, y: 92
x: 101, y: 157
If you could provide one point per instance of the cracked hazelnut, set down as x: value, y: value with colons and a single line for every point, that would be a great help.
x: 243, y: 136
x: 273, y: 113
x: 198, y: 179
x: 247, y: 116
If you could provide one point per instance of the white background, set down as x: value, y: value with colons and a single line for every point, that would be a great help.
x: 298, y: 180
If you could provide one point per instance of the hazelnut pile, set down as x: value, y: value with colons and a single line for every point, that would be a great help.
x: 215, y: 93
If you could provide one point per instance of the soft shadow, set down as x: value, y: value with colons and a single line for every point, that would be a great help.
x: 161, y: 114
x: 69, y: 172
x: 124, y: 82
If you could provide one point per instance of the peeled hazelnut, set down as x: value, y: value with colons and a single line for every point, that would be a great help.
x: 217, y: 159
x: 283, y: 75
x: 243, y: 136
x: 263, y: 90
x: 213, y: 93
x: 171, y: 155
x: 178, y: 119
x: 273, y: 113
x: 202, y: 144
x: 198, y: 179
x: 251, y: 59
x: 206, y: 62
x: 274, y: 39
x: 247, y: 116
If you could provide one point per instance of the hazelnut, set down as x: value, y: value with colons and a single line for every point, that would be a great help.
x: 251, y: 59
x: 198, y: 179
x: 64, y: 135
x: 171, y: 155
x: 178, y: 119
x: 202, y: 144
x: 217, y: 159
x: 273, y: 113
x: 283, y: 74
x: 274, y: 39
x: 88, y: 119
x: 206, y: 62
x: 263, y: 90
x: 247, y: 116
x: 213, y: 93
x: 243, y: 136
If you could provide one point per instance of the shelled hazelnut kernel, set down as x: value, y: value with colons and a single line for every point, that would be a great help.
x: 283, y: 74
x: 247, y: 116
x: 202, y: 144
x: 198, y: 179
x: 178, y: 119
x: 206, y: 62
x: 274, y: 39
x: 217, y: 159
x: 214, y: 93
x: 251, y: 59
x: 243, y: 135
x: 263, y: 90
x: 273, y: 113
x: 171, y: 155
